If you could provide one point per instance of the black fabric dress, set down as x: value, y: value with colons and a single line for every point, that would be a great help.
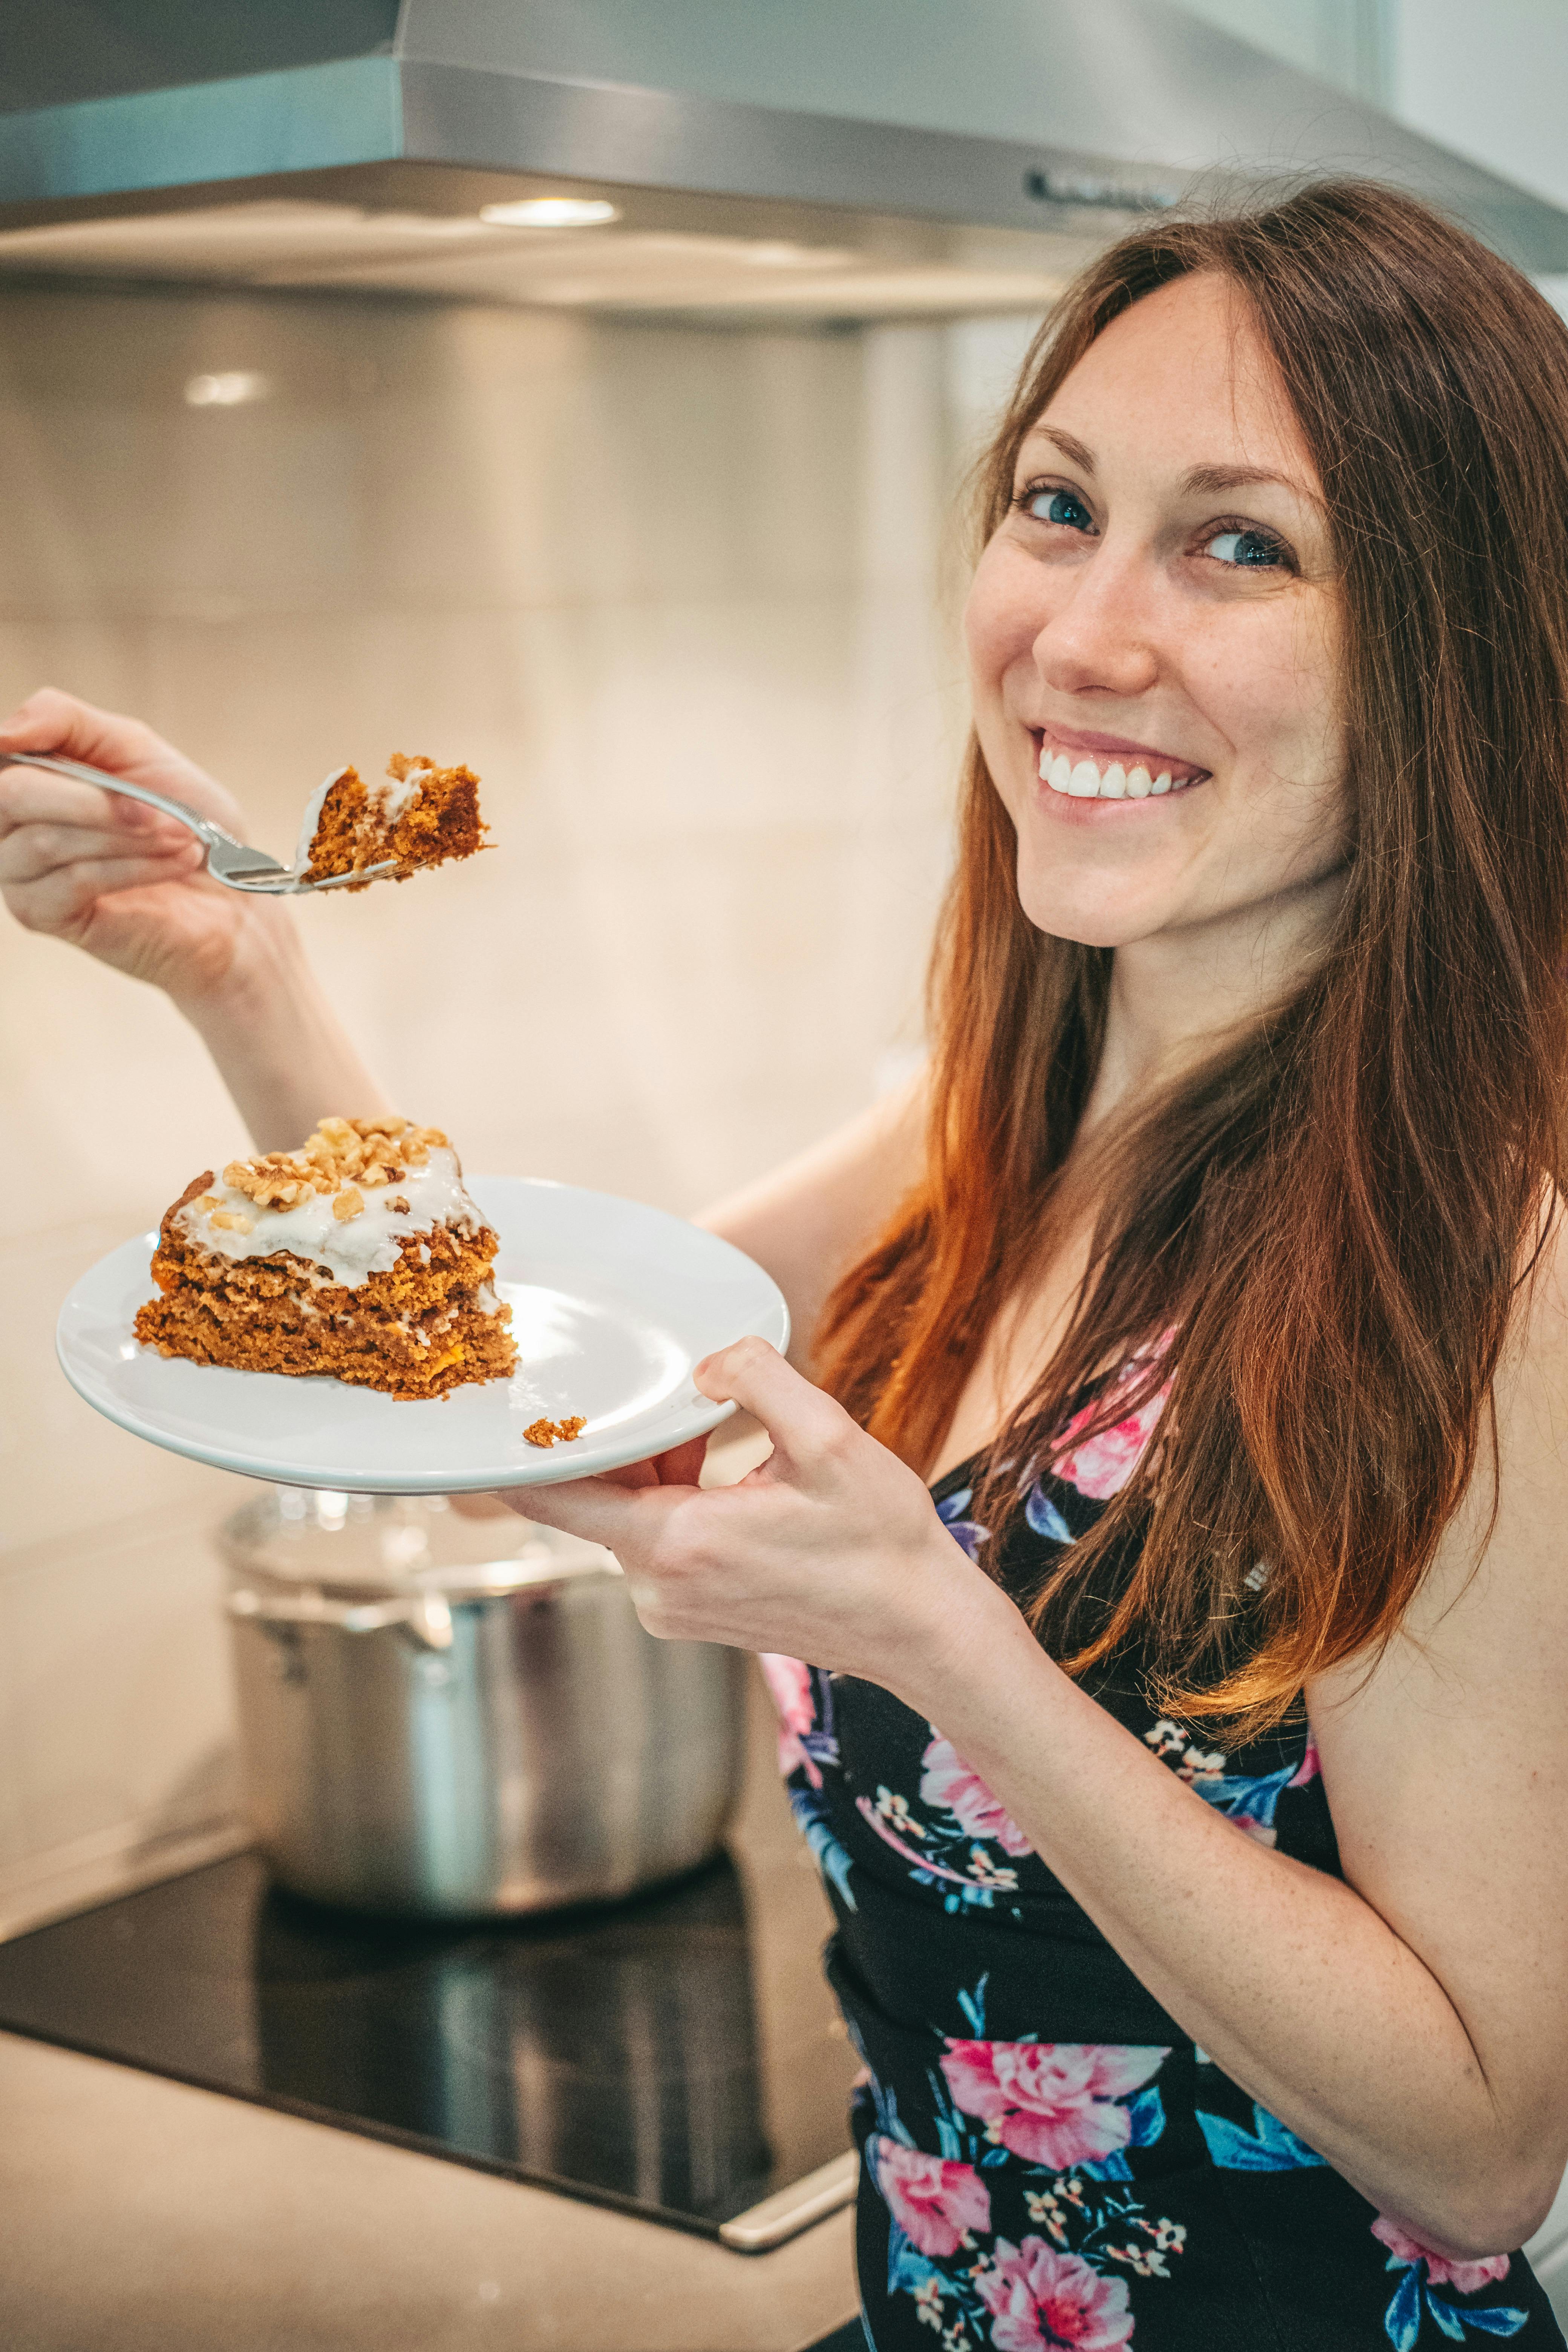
x: 1048, y: 2161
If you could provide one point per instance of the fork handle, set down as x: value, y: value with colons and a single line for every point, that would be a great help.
x: 81, y: 773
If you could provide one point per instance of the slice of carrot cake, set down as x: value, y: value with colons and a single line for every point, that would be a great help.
x: 360, y: 1256
x: 419, y: 815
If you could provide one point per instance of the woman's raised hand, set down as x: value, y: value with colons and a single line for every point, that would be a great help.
x: 831, y: 1550
x: 113, y: 876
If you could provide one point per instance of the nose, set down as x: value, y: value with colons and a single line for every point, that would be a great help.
x: 1102, y: 638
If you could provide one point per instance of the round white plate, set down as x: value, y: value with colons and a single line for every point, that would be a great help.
x: 612, y: 1303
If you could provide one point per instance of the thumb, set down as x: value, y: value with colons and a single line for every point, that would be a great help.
x: 805, y: 1424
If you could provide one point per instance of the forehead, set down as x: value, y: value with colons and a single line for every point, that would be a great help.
x: 1183, y: 374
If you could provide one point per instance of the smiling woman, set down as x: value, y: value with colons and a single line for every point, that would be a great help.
x: 1187, y: 1764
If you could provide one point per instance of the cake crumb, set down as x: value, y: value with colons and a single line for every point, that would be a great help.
x: 546, y: 1433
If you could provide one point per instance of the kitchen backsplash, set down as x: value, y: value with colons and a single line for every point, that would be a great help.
x: 688, y: 603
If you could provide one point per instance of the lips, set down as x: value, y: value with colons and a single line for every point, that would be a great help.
x: 1085, y: 773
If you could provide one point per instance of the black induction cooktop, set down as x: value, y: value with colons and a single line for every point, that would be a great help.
x: 614, y: 2054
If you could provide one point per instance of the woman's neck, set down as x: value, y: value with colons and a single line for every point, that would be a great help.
x: 1177, y: 997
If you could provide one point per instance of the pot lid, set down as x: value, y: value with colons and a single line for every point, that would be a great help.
x: 398, y: 1544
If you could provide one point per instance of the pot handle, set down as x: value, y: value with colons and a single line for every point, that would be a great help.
x: 425, y: 1617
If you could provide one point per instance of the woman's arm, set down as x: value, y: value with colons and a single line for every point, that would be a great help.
x: 128, y: 885
x: 808, y: 1221
x: 1410, y: 2023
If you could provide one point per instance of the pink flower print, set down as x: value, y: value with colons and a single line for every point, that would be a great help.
x: 790, y: 1683
x: 934, y: 2202
x: 1102, y: 1464
x: 1466, y: 2276
x: 1310, y: 1767
x: 1044, y: 2301
x: 1052, y: 2103
x: 947, y: 1784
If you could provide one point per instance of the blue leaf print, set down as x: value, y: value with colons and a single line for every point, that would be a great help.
x: 832, y: 1859
x: 1498, y: 2320
x: 968, y: 1534
x: 1044, y: 1518
x: 1275, y: 2149
x: 1114, y: 2167
x: 994, y: 2156
x: 1402, y: 2320
x: 1146, y: 2114
x: 1243, y: 1799
x: 973, y: 2004
x: 1446, y: 2318
x: 906, y: 2269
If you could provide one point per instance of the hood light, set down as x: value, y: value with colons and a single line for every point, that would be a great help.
x: 549, y: 212
x: 230, y: 389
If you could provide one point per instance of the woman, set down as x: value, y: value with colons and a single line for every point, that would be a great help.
x: 1197, y: 1822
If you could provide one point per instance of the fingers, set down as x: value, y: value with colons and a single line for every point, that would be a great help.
x: 52, y: 721
x: 58, y: 901
x: 600, y: 1510
x: 32, y: 796
x: 804, y: 1422
x: 27, y: 852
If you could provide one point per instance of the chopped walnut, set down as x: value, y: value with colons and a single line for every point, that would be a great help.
x: 399, y: 1207
x: 232, y: 1220
x: 348, y: 1204
x: 341, y: 1152
x: 545, y: 1432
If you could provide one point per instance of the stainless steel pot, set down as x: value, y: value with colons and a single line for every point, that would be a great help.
x: 449, y: 1715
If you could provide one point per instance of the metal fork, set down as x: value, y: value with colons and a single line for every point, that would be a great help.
x: 228, y: 861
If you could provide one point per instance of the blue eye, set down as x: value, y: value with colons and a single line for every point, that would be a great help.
x: 1248, y: 551
x: 1057, y: 506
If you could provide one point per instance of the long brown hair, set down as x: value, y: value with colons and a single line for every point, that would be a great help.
x: 1330, y: 1218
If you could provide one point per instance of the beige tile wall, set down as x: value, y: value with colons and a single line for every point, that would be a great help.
x: 684, y: 601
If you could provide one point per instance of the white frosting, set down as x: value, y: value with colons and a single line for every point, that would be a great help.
x: 350, y: 1249
x: 389, y: 798
x: 312, y: 818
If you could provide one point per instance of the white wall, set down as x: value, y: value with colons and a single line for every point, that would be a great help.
x: 676, y: 596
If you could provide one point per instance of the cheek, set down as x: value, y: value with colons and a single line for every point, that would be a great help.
x: 1273, y: 693
x: 1002, y: 615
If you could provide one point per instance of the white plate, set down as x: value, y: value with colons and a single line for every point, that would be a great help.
x: 612, y: 1303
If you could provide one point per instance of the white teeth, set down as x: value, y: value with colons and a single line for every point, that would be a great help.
x: 1083, y: 779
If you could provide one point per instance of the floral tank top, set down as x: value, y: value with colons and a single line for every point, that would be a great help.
x: 1046, y: 2160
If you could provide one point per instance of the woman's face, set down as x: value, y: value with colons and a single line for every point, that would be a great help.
x: 1153, y: 636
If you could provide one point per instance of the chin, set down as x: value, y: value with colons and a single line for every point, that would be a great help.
x: 1105, y: 915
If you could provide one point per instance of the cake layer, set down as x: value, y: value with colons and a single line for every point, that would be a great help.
x: 428, y: 1324
x: 419, y: 815
x: 360, y: 1257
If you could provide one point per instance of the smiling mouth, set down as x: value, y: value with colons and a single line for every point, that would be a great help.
x: 1102, y: 775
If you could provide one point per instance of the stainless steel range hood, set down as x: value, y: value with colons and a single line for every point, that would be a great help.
x: 824, y: 158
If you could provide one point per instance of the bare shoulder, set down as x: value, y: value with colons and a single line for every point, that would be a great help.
x: 1445, y: 1759
x: 1499, y: 1586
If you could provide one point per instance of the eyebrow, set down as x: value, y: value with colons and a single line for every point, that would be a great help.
x: 1203, y: 481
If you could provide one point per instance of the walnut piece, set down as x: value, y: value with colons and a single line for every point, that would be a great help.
x: 232, y: 1220
x: 348, y: 1204
x: 546, y: 1433
x: 342, y: 1152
